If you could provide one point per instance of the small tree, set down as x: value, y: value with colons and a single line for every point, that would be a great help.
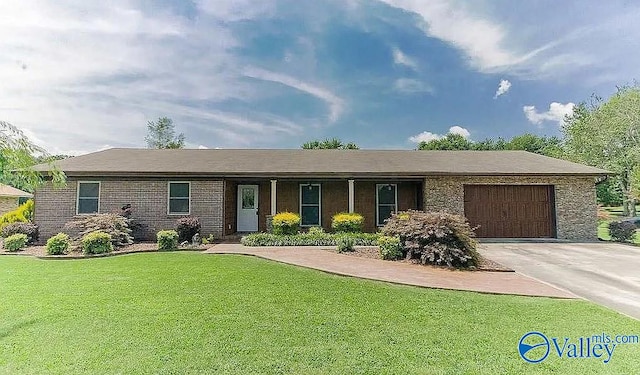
x: 162, y: 135
x: 18, y: 154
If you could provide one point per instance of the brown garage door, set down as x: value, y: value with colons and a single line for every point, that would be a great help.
x: 510, y: 211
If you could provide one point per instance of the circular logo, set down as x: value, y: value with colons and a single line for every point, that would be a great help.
x: 534, y: 347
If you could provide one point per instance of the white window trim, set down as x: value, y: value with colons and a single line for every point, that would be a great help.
x: 78, y: 196
x: 312, y: 205
x: 169, y: 213
x: 395, y: 206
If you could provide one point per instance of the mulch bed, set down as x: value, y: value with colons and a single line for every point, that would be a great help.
x: 371, y: 252
x: 142, y: 247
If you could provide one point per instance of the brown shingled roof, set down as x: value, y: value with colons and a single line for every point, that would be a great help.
x: 9, y: 191
x: 320, y: 163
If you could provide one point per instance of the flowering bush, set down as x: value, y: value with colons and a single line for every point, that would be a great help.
x: 347, y: 222
x: 286, y: 223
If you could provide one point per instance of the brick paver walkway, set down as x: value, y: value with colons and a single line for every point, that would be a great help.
x: 396, y: 272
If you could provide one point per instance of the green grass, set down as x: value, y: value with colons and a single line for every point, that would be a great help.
x: 616, y: 213
x: 185, y: 312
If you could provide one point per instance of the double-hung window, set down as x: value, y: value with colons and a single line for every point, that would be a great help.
x: 386, y: 202
x: 310, y: 203
x: 88, y: 198
x: 179, y: 198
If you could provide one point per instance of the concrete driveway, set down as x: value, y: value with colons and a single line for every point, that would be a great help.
x: 605, y: 273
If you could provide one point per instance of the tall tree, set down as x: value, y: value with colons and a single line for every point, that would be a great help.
x: 606, y: 134
x: 550, y: 146
x: 18, y: 154
x: 161, y: 134
x: 451, y: 141
x: 329, y: 143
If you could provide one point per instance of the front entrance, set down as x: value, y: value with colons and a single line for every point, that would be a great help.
x: 247, y: 208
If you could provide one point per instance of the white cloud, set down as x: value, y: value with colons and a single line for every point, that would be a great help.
x: 503, y: 87
x: 424, y: 137
x: 94, y: 73
x: 336, y: 104
x: 203, y: 147
x: 400, y: 58
x: 460, y: 131
x: 428, y: 136
x: 556, y: 113
x: 411, y: 86
x: 481, y: 39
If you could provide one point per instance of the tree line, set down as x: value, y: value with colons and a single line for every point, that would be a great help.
x: 601, y: 133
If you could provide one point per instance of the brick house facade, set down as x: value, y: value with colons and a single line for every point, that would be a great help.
x: 216, y: 184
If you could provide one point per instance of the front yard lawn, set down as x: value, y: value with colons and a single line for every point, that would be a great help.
x: 187, y: 312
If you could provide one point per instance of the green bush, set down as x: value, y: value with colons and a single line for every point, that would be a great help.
x: 117, y: 226
x: 437, y: 238
x: 286, y: 223
x: 345, y: 243
x: 187, y: 227
x: 58, y: 244
x: 167, y: 240
x: 622, y: 231
x: 22, y: 214
x: 347, y: 222
x: 315, y: 230
x: 390, y: 247
x: 16, y: 242
x: 30, y: 229
x: 97, y: 242
x: 308, y: 239
x: 208, y: 240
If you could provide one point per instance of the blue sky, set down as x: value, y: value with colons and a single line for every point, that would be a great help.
x: 79, y: 76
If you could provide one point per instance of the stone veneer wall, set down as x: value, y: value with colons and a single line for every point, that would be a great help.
x: 8, y: 204
x: 575, y: 200
x: 55, y: 207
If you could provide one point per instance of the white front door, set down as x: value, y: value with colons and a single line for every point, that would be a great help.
x: 247, y: 208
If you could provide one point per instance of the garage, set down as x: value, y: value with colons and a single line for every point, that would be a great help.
x: 510, y: 211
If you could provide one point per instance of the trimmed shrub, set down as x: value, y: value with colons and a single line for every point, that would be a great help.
x: 390, y: 247
x: 308, y: 239
x: 15, y: 242
x: 286, y: 223
x: 97, y: 242
x: 622, y: 231
x: 117, y: 226
x: 22, y: 214
x: 30, y: 229
x: 347, y: 222
x: 345, y: 243
x: 167, y: 240
x: 436, y: 238
x: 187, y: 227
x: 58, y: 244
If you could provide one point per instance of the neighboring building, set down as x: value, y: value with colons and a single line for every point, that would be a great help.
x: 10, y: 198
x: 509, y: 194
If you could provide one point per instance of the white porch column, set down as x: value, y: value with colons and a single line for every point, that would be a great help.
x: 273, y: 197
x: 351, y: 196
